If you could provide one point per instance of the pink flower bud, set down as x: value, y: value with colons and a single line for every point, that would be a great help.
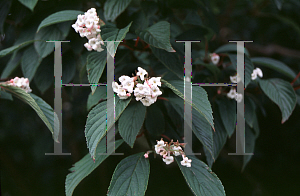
x: 146, y: 155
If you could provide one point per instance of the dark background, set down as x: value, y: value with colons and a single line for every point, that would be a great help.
x: 273, y: 170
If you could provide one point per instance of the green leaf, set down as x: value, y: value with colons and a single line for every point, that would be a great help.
x: 248, y: 67
x: 158, y: 35
x: 64, y: 28
x: 211, y: 67
x: 227, y: 109
x: 139, y: 20
x: 248, y: 70
x: 95, y: 128
x: 85, y: 166
x: 256, y: 126
x: 5, y: 95
x: 230, y: 48
x: 30, y: 62
x: 96, y: 62
x: 155, y: 120
x: 200, y: 126
x: 68, y: 67
x: 150, y: 8
x: 28, y: 33
x: 113, y: 8
x: 193, y: 18
x: 131, y: 122
x: 275, y: 65
x: 43, y: 78
x: 13, y: 48
x: 93, y: 99
x: 169, y: 60
x: 49, y: 33
x: 4, y: 10
x: 59, y: 17
x: 250, y: 113
x: 250, y: 144
x: 25, y: 97
x: 282, y: 93
x: 200, y: 100
x: 12, y: 64
x: 50, y: 115
x: 111, y: 33
x: 219, y: 138
x: 200, y: 178
x: 130, y: 176
x: 29, y: 3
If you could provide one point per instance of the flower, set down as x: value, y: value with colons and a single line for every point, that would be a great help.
x: 159, y: 146
x: 214, y: 58
x: 124, y: 78
x: 141, y: 72
x: 128, y: 85
x: 155, y: 91
x: 168, y: 159
x: 22, y: 83
x: 154, y: 81
x: 146, y: 155
x: 239, y: 97
x: 177, y: 150
x: 122, y: 93
x: 235, y: 79
x: 163, y: 153
x: 146, y: 92
x: 186, y: 162
x: 88, y: 26
x: 169, y: 150
x: 143, y: 89
x: 232, y: 93
x: 256, y: 72
x: 253, y: 75
x: 259, y: 72
x: 88, y: 46
x: 95, y: 43
x: 148, y: 100
x: 115, y: 87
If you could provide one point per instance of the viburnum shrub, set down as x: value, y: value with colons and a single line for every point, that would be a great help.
x: 149, y: 119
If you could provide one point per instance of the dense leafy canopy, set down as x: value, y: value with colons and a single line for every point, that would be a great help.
x: 146, y: 34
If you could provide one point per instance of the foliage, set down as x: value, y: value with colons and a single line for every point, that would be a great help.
x: 147, y: 32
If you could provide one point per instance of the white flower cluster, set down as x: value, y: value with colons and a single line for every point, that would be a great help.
x: 256, y: 72
x: 236, y: 79
x: 232, y: 94
x: 166, y: 150
x: 88, y: 26
x: 215, y: 58
x: 22, y: 83
x: 145, y: 90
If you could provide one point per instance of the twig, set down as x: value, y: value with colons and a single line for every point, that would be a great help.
x: 297, y: 87
x: 298, y: 75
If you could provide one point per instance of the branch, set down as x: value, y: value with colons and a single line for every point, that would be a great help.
x: 298, y: 75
